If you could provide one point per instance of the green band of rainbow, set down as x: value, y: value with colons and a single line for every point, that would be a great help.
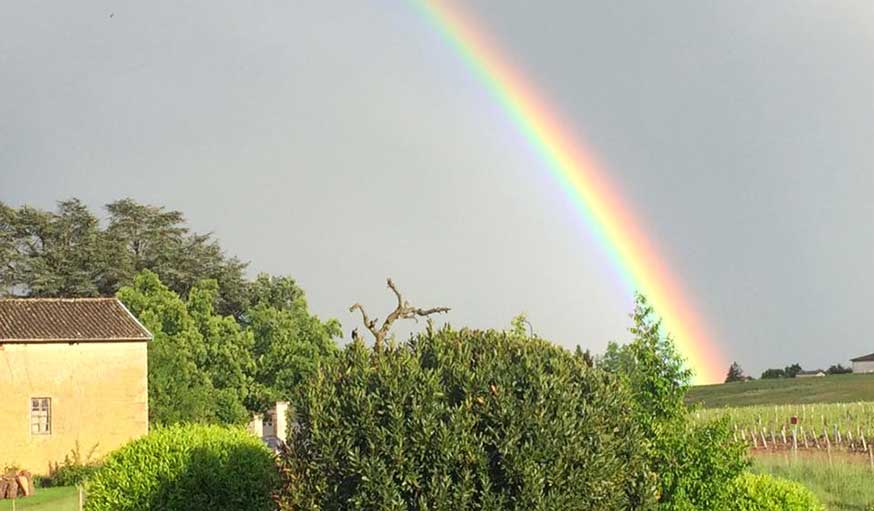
x: 585, y: 182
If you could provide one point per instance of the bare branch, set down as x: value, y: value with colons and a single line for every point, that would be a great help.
x: 403, y: 311
x: 370, y: 324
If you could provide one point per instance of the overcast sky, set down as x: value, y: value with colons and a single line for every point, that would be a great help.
x: 343, y: 142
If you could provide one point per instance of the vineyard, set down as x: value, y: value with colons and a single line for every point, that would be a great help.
x: 842, y: 426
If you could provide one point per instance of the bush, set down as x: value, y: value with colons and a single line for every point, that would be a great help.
x: 463, y: 420
x: 695, y: 464
x: 186, y: 467
x: 762, y: 492
x: 73, y: 471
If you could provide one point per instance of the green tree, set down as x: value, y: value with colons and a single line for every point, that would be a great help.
x: 735, y: 373
x: 179, y: 389
x: 228, y: 357
x: 793, y: 370
x: 50, y: 253
x: 694, y: 464
x: 288, y: 341
x: 150, y: 237
x: 839, y: 369
x: 771, y: 374
x: 68, y: 253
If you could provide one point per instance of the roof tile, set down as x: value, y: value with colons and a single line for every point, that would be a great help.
x: 68, y: 319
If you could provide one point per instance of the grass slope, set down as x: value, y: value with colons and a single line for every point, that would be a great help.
x: 844, y: 388
x: 65, y: 498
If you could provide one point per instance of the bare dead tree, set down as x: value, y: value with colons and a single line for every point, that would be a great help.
x: 403, y: 311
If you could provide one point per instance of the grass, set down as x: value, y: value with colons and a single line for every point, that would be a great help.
x: 65, y: 498
x: 842, y: 388
x: 842, y: 484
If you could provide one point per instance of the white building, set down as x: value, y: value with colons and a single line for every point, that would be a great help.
x: 864, y: 364
x: 272, y: 426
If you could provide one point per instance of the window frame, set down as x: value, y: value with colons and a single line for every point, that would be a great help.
x: 40, y: 416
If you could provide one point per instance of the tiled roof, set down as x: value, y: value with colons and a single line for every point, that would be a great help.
x: 68, y: 319
x: 863, y: 358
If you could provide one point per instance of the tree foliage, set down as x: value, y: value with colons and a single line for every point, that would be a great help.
x: 289, y: 341
x: 179, y: 387
x: 735, y: 373
x: 839, y: 369
x: 771, y: 374
x: 206, y: 367
x: 694, y: 464
x: 792, y: 370
x: 69, y: 252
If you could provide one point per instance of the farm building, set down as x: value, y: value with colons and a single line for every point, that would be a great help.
x: 73, y: 372
x: 863, y: 364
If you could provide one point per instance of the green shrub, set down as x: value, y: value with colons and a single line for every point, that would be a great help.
x: 695, y: 464
x: 73, y: 471
x: 186, y: 467
x: 461, y: 420
x: 762, y: 492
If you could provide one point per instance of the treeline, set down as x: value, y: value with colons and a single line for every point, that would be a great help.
x: 223, y: 346
x: 736, y: 372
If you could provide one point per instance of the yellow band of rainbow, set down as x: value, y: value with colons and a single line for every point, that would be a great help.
x: 586, y: 183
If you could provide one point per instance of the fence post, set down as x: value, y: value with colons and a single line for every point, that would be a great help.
x: 871, y: 456
x: 81, y: 498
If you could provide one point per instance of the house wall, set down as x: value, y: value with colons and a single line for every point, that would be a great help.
x: 863, y: 367
x: 99, y: 394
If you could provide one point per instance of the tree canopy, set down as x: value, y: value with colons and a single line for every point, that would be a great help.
x: 735, y: 373
x: 69, y: 252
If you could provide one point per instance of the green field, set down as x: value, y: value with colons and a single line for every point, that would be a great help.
x: 844, y: 388
x: 46, y: 499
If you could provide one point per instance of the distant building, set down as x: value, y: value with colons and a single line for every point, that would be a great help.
x: 272, y: 425
x: 863, y: 364
x: 811, y: 374
x: 72, y: 372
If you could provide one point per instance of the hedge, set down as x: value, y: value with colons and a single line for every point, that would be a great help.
x: 460, y: 420
x: 763, y: 492
x: 186, y: 467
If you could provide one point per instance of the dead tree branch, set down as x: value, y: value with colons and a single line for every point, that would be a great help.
x: 403, y: 310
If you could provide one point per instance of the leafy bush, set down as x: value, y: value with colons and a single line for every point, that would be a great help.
x: 73, y: 471
x: 762, y: 492
x: 186, y: 467
x: 695, y: 464
x: 464, y: 419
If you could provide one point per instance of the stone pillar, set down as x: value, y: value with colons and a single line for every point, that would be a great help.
x: 282, y: 420
x: 256, y: 426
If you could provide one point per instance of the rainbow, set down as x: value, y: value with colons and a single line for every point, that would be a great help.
x: 585, y: 182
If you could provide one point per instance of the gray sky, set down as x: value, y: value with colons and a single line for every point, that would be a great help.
x: 342, y: 142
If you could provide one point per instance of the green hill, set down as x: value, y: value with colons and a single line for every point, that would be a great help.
x: 844, y: 388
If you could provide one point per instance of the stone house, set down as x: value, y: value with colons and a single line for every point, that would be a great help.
x: 73, y: 372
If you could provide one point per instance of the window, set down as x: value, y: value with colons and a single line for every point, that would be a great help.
x: 41, y: 416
